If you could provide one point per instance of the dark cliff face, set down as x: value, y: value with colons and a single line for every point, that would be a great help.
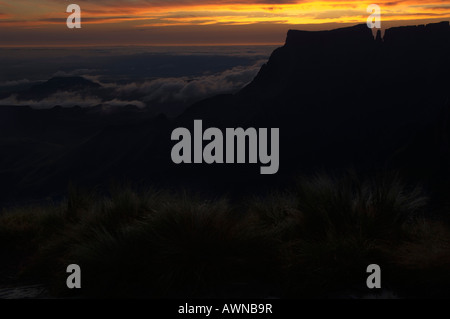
x: 351, y: 56
x: 342, y: 67
x: 341, y: 99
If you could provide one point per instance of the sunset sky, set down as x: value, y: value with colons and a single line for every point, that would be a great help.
x: 152, y: 22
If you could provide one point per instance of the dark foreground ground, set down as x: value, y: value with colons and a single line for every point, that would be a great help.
x: 313, y: 241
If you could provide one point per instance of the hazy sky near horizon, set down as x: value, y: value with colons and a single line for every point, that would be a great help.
x: 152, y: 22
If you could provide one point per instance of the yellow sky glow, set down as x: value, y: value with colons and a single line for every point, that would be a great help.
x: 147, y: 14
x: 25, y: 12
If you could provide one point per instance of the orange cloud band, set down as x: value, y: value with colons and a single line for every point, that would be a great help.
x: 28, y: 14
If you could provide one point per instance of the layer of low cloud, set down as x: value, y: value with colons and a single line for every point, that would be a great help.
x: 14, y: 83
x: 179, y: 91
x: 184, y: 89
x: 66, y: 100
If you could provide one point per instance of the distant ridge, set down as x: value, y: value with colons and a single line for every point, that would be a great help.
x: 58, y: 84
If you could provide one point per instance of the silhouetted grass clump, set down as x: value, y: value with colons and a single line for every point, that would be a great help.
x: 347, y: 224
x: 330, y: 229
x: 313, y: 241
x: 154, y: 244
x: 371, y: 208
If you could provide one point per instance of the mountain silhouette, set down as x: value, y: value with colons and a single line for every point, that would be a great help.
x: 343, y: 99
x: 58, y: 84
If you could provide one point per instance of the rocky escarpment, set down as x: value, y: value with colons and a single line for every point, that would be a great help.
x: 344, y: 98
x: 342, y: 53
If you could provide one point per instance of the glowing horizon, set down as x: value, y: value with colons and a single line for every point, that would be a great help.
x: 47, y: 18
